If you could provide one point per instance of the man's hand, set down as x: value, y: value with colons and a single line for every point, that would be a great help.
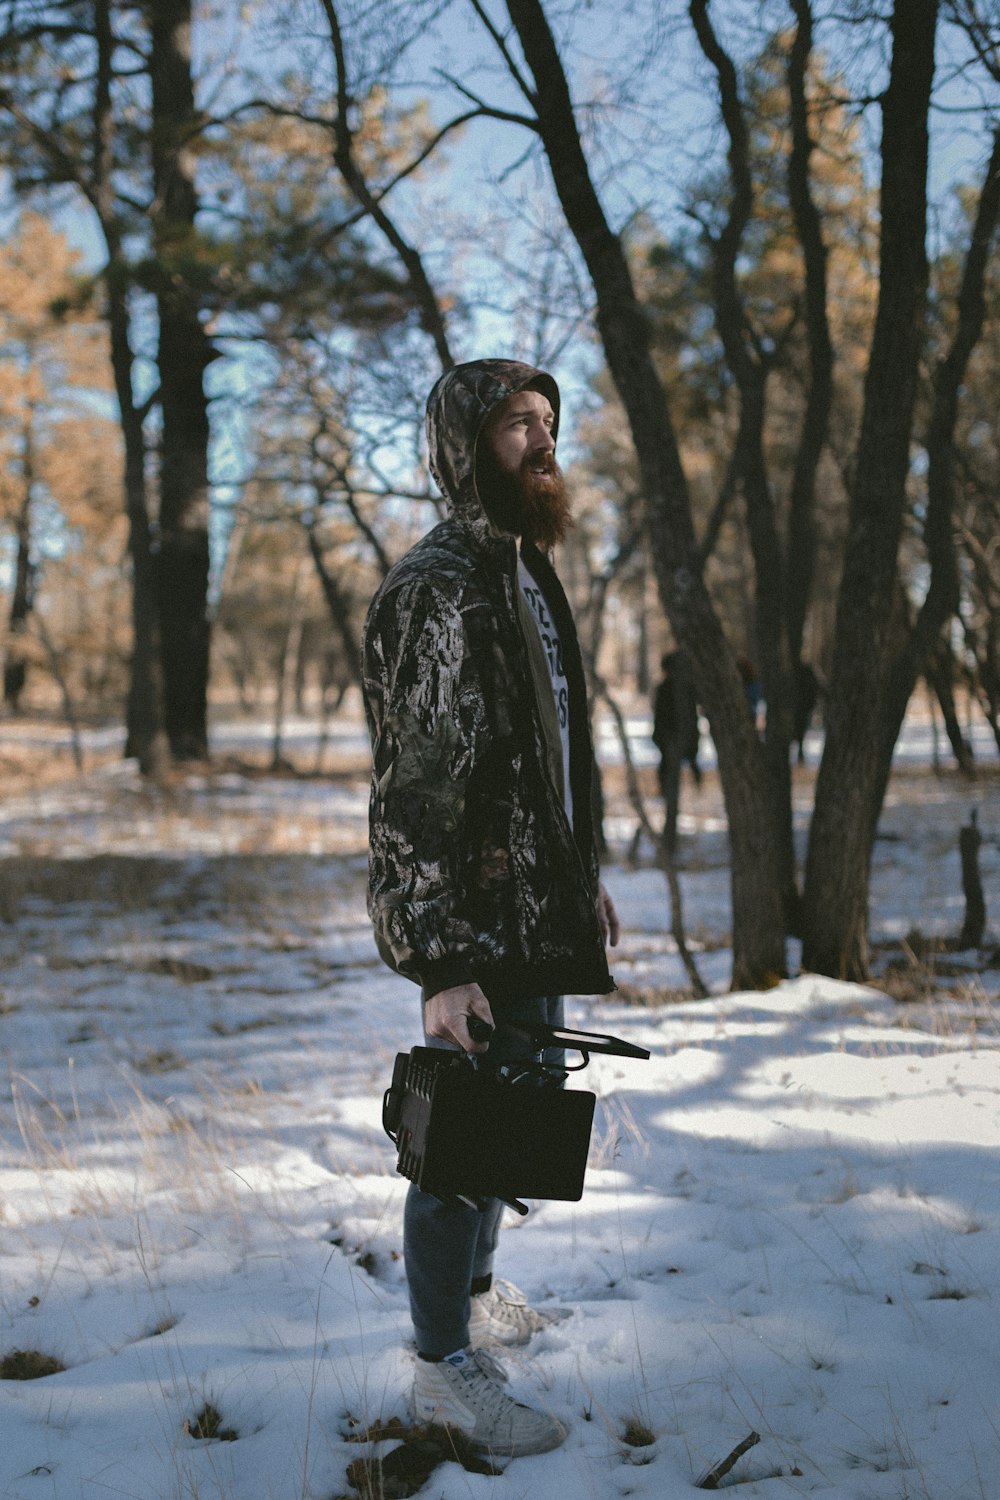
x: 446, y: 1015
x: 608, y: 918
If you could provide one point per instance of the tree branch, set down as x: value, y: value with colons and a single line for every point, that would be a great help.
x: 941, y: 601
x: 819, y: 396
x: 750, y: 364
x: 491, y: 110
x: 965, y: 14
x: 732, y: 319
x: 431, y: 315
x: 67, y: 168
x: 501, y: 46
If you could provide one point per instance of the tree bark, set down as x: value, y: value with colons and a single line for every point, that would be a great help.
x: 185, y: 351
x: 749, y: 368
x: 286, y: 663
x: 801, y: 547
x: 940, y: 673
x: 145, y: 738
x: 15, y: 667
x: 835, y: 901
x: 339, y: 606
x: 974, y: 923
x: 925, y: 651
x: 758, y: 923
x: 983, y: 643
x: 145, y: 735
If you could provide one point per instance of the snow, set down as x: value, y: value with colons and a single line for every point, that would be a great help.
x: 791, y: 1223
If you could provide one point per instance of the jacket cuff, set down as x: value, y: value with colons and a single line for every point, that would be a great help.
x: 445, y: 974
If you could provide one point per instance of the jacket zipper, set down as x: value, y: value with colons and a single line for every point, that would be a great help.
x: 553, y: 799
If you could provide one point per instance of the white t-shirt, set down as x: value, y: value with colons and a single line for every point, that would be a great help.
x: 552, y: 647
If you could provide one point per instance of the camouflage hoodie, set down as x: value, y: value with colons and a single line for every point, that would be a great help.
x: 474, y: 870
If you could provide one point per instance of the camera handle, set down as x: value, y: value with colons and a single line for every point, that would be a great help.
x: 542, y: 1036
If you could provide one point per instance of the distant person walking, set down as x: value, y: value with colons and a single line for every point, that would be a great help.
x: 675, y: 735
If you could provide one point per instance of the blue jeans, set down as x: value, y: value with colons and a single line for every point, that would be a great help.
x: 447, y: 1246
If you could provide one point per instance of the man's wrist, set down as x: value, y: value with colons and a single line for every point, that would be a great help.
x: 444, y: 974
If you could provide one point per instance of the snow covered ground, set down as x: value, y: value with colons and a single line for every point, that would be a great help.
x: 791, y: 1223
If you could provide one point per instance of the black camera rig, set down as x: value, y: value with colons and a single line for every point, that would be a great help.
x: 467, y: 1134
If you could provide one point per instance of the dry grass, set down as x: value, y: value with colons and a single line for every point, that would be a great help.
x: 24, y: 768
x: 190, y: 1158
x: 208, y: 1425
x: 126, y: 883
x: 637, y: 1434
x: 651, y: 996
x: 29, y: 1364
x: 925, y: 970
x: 172, y: 886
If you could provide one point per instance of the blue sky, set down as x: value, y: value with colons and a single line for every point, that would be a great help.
x: 488, y: 215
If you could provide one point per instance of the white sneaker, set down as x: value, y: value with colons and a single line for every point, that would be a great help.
x: 471, y: 1397
x: 502, y: 1316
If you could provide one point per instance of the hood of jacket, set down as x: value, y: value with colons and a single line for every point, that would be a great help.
x: 457, y: 408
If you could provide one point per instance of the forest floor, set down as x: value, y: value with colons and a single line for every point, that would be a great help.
x: 791, y: 1222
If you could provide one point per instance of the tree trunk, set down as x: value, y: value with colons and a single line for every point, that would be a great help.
x: 801, y: 548
x: 339, y: 606
x: 925, y: 650
x: 974, y: 924
x: 758, y: 924
x: 145, y: 738
x: 749, y: 369
x: 982, y: 638
x: 940, y: 669
x: 182, y: 564
x: 835, y: 902
x: 286, y: 663
x: 62, y: 683
x: 15, y: 667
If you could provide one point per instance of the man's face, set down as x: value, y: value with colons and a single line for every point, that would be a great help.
x: 520, y: 482
x: 521, y: 430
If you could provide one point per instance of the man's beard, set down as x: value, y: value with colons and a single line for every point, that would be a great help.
x: 527, y: 504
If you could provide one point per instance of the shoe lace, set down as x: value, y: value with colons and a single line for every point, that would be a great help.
x: 507, y: 1292
x: 483, y: 1380
x: 491, y: 1368
x: 506, y: 1303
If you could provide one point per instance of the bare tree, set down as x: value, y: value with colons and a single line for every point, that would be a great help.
x: 751, y: 359
x: 57, y: 84
x: 183, y: 355
x: 758, y: 919
x: 922, y: 652
x: 835, y: 898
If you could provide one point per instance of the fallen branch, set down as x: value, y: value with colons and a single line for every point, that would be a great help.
x: 710, y: 1479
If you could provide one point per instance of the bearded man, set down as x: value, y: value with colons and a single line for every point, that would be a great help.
x: 483, y: 876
